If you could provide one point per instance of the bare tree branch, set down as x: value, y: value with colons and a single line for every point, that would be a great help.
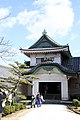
x: 6, y: 52
x: 4, y: 17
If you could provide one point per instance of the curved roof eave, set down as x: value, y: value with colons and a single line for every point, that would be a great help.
x: 63, y: 69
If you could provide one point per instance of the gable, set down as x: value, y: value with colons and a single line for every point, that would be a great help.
x: 45, y: 42
x: 49, y: 66
x: 48, y: 70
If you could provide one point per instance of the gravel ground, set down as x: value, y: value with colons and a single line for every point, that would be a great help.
x: 46, y: 111
x: 52, y: 112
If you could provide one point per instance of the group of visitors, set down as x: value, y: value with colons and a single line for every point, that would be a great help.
x: 36, y: 100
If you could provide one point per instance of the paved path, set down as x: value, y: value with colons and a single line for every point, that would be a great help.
x: 51, y: 112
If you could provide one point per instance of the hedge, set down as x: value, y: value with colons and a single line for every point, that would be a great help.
x: 8, y: 109
x: 18, y: 106
x: 15, y: 107
x: 76, y: 102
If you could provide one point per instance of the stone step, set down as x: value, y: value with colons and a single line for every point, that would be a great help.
x: 57, y: 102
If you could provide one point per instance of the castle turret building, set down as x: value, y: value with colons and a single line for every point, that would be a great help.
x: 57, y: 71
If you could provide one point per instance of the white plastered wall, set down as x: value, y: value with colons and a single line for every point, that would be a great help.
x: 46, y: 76
x: 57, y: 57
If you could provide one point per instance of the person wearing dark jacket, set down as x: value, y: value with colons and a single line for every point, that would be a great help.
x: 2, y: 96
x: 38, y: 100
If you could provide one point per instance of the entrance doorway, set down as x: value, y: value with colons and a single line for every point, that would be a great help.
x: 50, y: 90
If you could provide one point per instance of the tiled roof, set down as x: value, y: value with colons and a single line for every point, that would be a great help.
x: 5, y: 71
x: 45, y: 42
x: 61, y: 49
x: 62, y: 68
x: 72, y: 63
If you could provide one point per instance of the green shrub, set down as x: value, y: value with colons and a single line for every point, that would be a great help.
x: 15, y: 107
x: 6, y: 110
x: 79, y: 103
x: 18, y: 106
x: 12, y: 110
x: 76, y: 102
x: 21, y: 106
x: 25, y: 103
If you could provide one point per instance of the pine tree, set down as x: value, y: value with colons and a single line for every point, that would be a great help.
x: 12, y: 83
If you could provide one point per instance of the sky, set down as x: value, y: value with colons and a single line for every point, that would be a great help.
x: 27, y: 19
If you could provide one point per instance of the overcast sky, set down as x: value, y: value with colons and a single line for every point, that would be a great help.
x: 28, y: 18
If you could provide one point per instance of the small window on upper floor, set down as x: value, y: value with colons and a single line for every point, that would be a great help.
x: 49, y: 59
x: 52, y: 59
x: 42, y: 59
x: 39, y: 60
